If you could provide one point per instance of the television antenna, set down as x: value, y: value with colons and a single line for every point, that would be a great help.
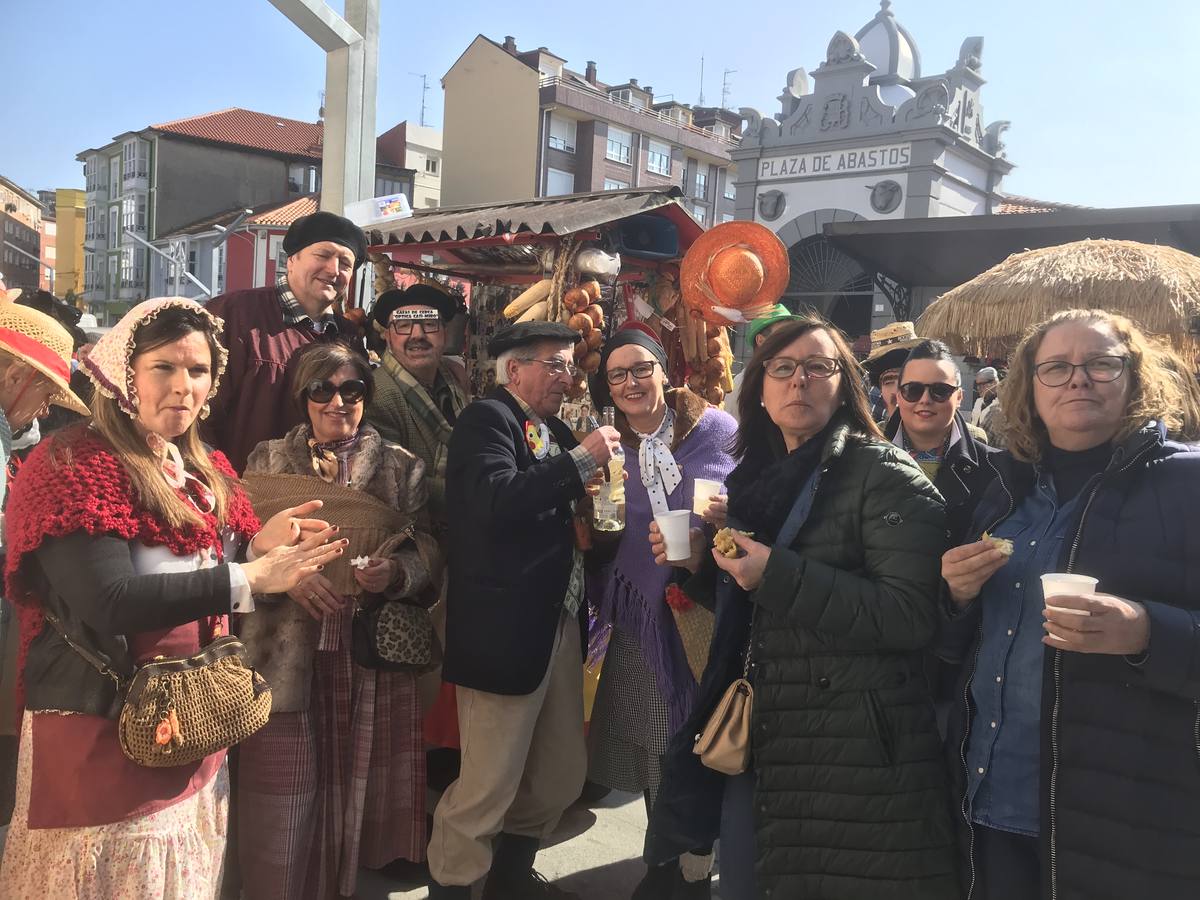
x: 424, y: 90
x: 725, y: 88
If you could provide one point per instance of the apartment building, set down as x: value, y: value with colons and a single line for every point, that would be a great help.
x: 166, y: 178
x: 521, y: 124
x: 419, y: 149
x: 70, y: 205
x: 20, y: 236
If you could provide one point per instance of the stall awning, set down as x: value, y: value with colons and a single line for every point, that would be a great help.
x: 945, y: 252
x: 548, y: 215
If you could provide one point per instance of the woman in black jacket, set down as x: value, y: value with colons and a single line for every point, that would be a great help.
x: 1079, y: 765
x: 846, y: 796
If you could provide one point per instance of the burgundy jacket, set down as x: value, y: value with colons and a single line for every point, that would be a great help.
x: 254, y: 402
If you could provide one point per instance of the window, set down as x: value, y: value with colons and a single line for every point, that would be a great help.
x: 114, y: 231
x: 302, y: 178
x: 191, y: 262
x: 726, y: 217
x: 701, y: 192
x: 559, y: 182
x: 90, y: 229
x: 730, y: 187
x: 611, y: 184
x: 432, y: 165
x: 386, y: 186
x: 133, y: 213
x: 700, y: 213
x: 135, y: 155
x: 658, y: 158
x: 220, y: 265
x: 720, y: 129
x: 562, y: 134
x: 619, y: 143
x: 89, y: 275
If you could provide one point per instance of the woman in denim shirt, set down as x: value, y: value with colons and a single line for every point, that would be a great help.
x: 1077, y: 734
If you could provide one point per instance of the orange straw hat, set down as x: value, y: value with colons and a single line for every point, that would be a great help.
x: 734, y: 272
x: 37, y: 339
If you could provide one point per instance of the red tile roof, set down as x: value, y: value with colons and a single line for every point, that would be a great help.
x: 287, y: 213
x: 1011, y: 204
x: 245, y: 128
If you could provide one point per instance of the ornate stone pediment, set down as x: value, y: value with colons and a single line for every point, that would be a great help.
x: 842, y: 49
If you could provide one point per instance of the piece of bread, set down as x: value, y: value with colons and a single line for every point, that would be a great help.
x: 1004, y: 545
x: 723, y: 541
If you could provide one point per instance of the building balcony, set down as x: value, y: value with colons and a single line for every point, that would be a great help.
x: 598, y: 105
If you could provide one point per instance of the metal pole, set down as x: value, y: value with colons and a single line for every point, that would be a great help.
x: 186, y: 274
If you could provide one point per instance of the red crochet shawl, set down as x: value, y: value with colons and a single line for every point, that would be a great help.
x: 74, y: 482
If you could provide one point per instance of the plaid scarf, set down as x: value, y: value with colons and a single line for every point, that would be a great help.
x: 432, y: 431
x: 293, y: 312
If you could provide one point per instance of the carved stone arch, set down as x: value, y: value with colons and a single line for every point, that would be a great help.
x: 824, y: 278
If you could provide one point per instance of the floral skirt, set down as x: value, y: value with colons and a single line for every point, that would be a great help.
x: 173, y: 854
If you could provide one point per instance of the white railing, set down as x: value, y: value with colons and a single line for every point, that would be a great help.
x: 640, y: 110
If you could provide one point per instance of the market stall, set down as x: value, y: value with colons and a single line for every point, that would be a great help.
x: 593, y: 261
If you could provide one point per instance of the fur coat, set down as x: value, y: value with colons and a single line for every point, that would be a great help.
x: 280, y: 636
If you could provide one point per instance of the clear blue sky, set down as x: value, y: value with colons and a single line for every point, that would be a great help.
x: 1098, y: 92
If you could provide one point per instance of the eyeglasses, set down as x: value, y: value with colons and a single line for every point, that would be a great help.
x: 639, y: 371
x: 405, y: 326
x: 556, y: 367
x: 814, y: 366
x: 351, y: 391
x: 1057, y: 372
x: 939, y: 392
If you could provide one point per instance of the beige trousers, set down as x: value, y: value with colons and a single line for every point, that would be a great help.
x: 523, y: 764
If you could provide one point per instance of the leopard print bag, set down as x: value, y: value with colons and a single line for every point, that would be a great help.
x: 395, y: 636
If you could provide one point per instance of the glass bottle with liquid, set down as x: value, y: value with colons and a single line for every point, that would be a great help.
x: 609, y: 504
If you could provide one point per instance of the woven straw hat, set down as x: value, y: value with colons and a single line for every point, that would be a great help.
x: 35, y: 338
x: 734, y: 272
x: 897, y: 336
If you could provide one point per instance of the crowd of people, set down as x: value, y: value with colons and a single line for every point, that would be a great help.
x: 927, y: 719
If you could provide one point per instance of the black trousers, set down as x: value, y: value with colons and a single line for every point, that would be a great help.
x: 1007, y: 866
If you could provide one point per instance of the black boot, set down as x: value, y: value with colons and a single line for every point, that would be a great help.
x: 658, y: 882
x: 512, y: 876
x: 449, y: 892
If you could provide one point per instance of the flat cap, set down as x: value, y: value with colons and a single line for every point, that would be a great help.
x: 326, y: 226
x: 524, y: 333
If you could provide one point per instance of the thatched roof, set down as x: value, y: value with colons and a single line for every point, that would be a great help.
x: 1156, y: 286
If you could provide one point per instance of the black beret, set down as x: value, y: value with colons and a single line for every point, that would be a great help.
x: 326, y: 226
x: 523, y: 333
x: 416, y: 295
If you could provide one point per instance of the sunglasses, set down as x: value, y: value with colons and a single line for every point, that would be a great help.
x: 939, y: 392
x: 351, y: 391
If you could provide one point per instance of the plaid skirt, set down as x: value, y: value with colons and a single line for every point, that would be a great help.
x: 630, y: 729
x: 336, y: 787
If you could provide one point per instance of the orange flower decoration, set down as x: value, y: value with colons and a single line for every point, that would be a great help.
x: 162, y: 734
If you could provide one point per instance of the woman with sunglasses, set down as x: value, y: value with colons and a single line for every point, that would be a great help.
x: 1076, y: 733
x: 336, y: 779
x: 951, y: 452
x: 828, y: 606
x: 671, y: 437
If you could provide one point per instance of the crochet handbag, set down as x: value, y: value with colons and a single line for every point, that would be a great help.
x: 178, y: 710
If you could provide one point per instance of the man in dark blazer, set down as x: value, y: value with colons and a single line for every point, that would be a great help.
x: 515, y: 612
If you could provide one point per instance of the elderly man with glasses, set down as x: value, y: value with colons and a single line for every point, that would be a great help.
x: 419, y: 393
x: 515, y: 619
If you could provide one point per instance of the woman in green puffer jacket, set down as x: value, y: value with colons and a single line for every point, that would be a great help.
x: 846, y: 796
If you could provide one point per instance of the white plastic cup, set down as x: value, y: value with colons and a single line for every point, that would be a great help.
x: 704, y: 490
x: 675, y: 526
x: 1063, y: 584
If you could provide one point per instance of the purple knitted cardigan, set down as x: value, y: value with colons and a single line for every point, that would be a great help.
x: 632, y: 589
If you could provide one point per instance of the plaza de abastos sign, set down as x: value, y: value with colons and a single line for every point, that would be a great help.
x: 835, y: 162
